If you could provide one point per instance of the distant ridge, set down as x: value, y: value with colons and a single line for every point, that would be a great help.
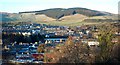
x: 58, y: 13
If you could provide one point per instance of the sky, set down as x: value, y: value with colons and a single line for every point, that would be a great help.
x: 15, y: 6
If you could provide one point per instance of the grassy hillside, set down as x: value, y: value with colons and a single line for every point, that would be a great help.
x: 73, y: 18
x: 60, y: 16
x: 7, y: 17
x: 43, y: 18
x: 113, y: 17
x: 58, y: 13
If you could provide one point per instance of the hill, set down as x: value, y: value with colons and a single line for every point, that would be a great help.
x: 60, y: 16
x: 7, y: 17
x: 57, y: 13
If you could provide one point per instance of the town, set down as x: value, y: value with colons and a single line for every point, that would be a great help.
x: 28, y: 42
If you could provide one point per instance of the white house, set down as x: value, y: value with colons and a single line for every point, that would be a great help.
x: 93, y: 43
x: 26, y: 33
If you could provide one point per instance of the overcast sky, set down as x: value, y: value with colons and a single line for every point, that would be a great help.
x: 15, y: 6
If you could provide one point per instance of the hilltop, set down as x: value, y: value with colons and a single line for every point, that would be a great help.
x: 60, y: 16
x: 57, y: 13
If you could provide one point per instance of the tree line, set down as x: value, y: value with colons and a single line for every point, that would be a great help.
x: 11, y: 38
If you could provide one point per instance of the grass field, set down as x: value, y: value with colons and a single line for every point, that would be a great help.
x: 72, y: 23
x: 76, y: 20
